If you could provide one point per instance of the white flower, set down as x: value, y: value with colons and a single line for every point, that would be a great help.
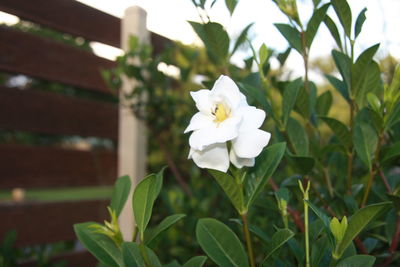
x: 224, y: 115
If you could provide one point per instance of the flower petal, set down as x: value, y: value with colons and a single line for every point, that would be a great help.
x: 252, y: 118
x: 240, y: 162
x: 217, y: 133
x: 198, y: 121
x: 249, y: 144
x: 226, y: 89
x: 212, y: 157
x: 202, y: 100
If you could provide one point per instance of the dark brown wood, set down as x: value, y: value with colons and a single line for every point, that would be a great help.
x: 47, y: 59
x: 72, y: 259
x: 159, y: 42
x: 33, y: 167
x: 46, y: 112
x: 68, y: 16
x: 41, y: 222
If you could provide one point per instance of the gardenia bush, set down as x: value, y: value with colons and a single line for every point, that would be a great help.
x: 323, y: 191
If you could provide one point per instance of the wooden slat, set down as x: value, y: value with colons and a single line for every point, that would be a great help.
x: 68, y: 16
x: 47, y: 59
x: 41, y: 223
x: 33, y: 167
x: 73, y: 259
x: 47, y: 112
x: 159, y: 42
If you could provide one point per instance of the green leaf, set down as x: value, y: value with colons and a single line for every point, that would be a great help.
x: 122, y: 188
x: 220, y: 243
x: 298, y: 137
x: 319, y: 250
x: 325, y: 219
x: 153, y: 259
x: 197, y: 261
x: 334, y: 31
x: 257, y: 95
x: 215, y: 39
x: 143, y: 199
x: 289, y: 98
x: 231, y: 5
x: 231, y: 188
x: 263, y: 54
x: 266, y: 164
x: 313, y: 25
x: 343, y: 63
x: 131, y: 255
x: 343, y: 12
x: 324, y: 103
x: 358, y: 70
x: 357, y: 261
x: 339, y: 85
x: 374, y: 102
x: 278, y: 240
x: 393, y: 117
x: 341, y: 131
x: 359, y: 22
x: 358, y: 221
x: 365, y: 141
x: 291, y: 34
x: 242, y: 38
x: 162, y: 226
x: 99, y: 245
x: 392, y: 152
x: 255, y: 230
x: 283, y: 56
x: 303, y: 164
x: 173, y: 263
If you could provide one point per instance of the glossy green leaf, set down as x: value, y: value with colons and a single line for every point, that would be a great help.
x: 132, y: 255
x: 215, y: 39
x: 343, y: 63
x: 143, y: 199
x: 324, y: 103
x: 358, y: 70
x: 99, y: 245
x: 359, y: 23
x: 162, y: 226
x: 231, y: 5
x: 334, y: 31
x: 390, y: 153
x: 341, y: 131
x: 319, y: 250
x: 313, y: 25
x: 343, y: 12
x: 365, y: 141
x: 122, y: 188
x: 277, y: 241
x: 298, y: 137
x: 358, y: 221
x: 231, y: 188
x: 266, y: 164
x: 242, y: 38
x: 339, y: 85
x: 220, y: 243
x: 289, y: 99
x: 153, y: 259
x: 291, y: 34
x: 197, y: 261
x: 357, y: 261
x: 255, y: 230
x: 257, y: 95
x: 283, y: 56
x: 393, y: 117
x: 374, y: 102
x: 303, y: 164
x: 325, y: 219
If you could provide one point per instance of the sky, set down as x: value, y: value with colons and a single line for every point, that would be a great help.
x: 169, y: 18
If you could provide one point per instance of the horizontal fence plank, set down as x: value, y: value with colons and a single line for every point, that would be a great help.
x: 159, y: 42
x: 68, y: 16
x: 42, y: 223
x: 72, y: 259
x: 37, y: 167
x: 38, y: 57
x: 52, y: 113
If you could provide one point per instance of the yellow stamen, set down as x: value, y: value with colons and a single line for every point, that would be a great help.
x: 221, y: 113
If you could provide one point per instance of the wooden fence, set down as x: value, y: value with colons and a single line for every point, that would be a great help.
x: 44, y: 112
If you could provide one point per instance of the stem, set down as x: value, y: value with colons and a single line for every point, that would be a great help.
x: 350, y: 154
x: 384, y: 179
x: 248, y: 239
x: 328, y: 181
x: 306, y: 231
x: 135, y: 233
x: 368, y: 188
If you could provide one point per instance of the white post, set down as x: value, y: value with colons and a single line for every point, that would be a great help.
x: 132, y: 136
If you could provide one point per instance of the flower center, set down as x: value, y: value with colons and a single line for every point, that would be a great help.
x: 221, y: 113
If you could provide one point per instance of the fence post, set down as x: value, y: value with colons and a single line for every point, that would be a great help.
x: 132, y: 141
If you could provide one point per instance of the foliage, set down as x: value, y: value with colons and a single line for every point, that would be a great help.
x: 349, y: 164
